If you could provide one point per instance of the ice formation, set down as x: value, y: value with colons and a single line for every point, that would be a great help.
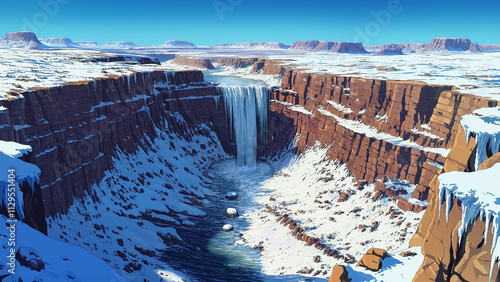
x: 484, y: 124
x: 10, y: 152
x: 478, y: 192
x: 247, y: 110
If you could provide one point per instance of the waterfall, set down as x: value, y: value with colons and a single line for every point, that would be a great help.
x: 246, y: 109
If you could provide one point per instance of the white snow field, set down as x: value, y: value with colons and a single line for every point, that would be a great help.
x: 471, y: 73
x: 307, y: 189
x: 61, y: 261
x: 22, y: 70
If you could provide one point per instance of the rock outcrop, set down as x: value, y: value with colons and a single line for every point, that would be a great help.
x: 18, y: 39
x: 326, y: 46
x: 452, y: 252
x: 199, y: 63
x: 451, y: 44
x: 254, y: 45
x: 339, y: 274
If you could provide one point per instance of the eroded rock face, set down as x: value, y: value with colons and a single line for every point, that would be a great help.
x: 399, y: 108
x: 446, y: 257
x: 193, y: 62
x: 451, y: 44
x: 75, y: 129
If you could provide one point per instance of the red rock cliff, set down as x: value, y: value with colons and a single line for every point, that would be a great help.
x: 75, y: 129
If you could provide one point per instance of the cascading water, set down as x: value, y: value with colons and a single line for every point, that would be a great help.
x: 247, y: 110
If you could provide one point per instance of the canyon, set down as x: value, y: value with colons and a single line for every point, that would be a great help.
x: 388, y: 143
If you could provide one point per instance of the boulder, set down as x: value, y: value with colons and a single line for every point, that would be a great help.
x: 372, y: 260
x: 231, y: 196
x: 343, y: 197
x: 29, y: 258
x: 408, y: 254
x: 227, y: 227
x: 339, y: 274
x: 232, y: 212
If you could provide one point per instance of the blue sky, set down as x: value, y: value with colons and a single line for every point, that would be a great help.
x: 208, y: 22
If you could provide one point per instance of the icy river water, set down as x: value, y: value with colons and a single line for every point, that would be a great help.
x: 219, y: 255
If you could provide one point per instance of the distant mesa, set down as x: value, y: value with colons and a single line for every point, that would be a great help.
x: 489, y: 47
x: 437, y: 45
x: 254, y: 45
x: 178, y: 44
x: 451, y: 44
x: 327, y: 46
x: 86, y: 43
x: 392, y: 50
x: 58, y: 42
x: 18, y: 39
x: 119, y: 44
x: 405, y: 47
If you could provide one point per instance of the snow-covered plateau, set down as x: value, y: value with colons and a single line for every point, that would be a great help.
x: 186, y: 201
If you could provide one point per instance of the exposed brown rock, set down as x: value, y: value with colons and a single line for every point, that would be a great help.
x: 490, y: 161
x: 343, y: 197
x: 371, y: 262
x: 339, y: 274
x: 193, y: 62
x: 447, y: 258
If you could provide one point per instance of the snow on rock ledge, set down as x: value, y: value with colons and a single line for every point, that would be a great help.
x: 10, y: 152
x: 485, y: 125
x: 479, y: 193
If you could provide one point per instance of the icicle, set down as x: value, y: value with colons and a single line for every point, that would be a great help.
x: 449, y: 198
x: 128, y: 84
x: 246, y: 109
x: 216, y: 99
